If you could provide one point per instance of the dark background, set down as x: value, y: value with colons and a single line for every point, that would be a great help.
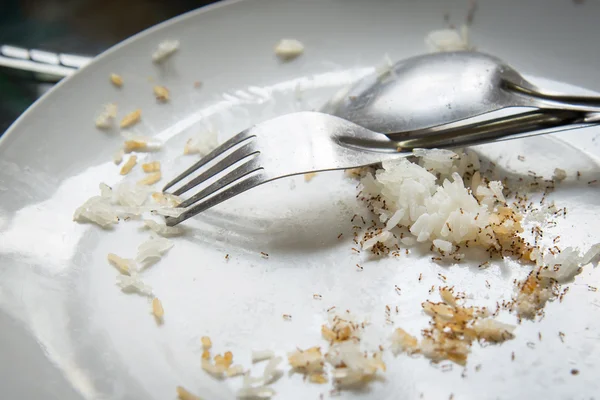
x: 85, y: 27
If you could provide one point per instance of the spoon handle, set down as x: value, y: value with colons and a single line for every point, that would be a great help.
x: 556, y: 101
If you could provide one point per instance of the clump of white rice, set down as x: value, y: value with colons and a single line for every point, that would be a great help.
x: 125, y: 202
x: 432, y: 202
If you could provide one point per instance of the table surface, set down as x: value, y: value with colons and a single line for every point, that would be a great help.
x: 85, y: 27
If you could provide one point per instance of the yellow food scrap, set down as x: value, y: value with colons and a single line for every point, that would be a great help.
x: 452, y: 331
x: 157, y: 309
x: 309, y: 362
x: 317, y: 378
x: 153, y: 166
x: 309, y: 176
x: 131, y: 119
x: 166, y: 199
x: 116, y: 80
x: 161, y: 93
x: 150, y: 179
x: 206, y: 342
x: 128, y: 166
x: 206, y: 355
x: 121, y: 264
x: 134, y: 145
x: 404, y: 342
x: 183, y: 394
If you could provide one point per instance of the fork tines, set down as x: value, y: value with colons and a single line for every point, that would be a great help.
x: 231, y: 184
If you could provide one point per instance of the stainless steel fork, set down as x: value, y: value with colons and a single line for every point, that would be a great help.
x: 292, y: 144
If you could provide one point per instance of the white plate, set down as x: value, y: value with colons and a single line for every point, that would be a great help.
x: 68, y: 332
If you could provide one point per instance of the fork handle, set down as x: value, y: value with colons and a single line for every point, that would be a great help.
x: 510, y: 127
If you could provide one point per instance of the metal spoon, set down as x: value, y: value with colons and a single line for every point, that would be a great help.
x: 432, y: 90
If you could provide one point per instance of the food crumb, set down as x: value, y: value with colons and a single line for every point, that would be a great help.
x: 161, y: 93
x: 153, y: 166
x: 183, y: 394
x: 116, y: 80
x: 206, y: 342
x: 150, y: 179
x: 128, y: 166
x: 157, y: 310
x: 165, y: 49
x: 309, y: 176
x: 559, y: 174
x: 288, y: 49
x: 106, y: 118
x: 131, y: 119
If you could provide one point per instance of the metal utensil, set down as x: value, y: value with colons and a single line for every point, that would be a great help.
x: 306, y: 142
x: 431, y: 90
x: 44, y: 65
x: 292, y: 144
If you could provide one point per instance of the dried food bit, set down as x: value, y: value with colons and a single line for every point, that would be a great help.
x: 449, y: 40
x: 158, y: 310
x: 309, y: 176
x: 184, y: 394
x: 135, y: 145
x: 261, y: 355
x: 165, y: 50
x: 131, y: 119
x: 153, y: 166
x: 128, y: 166
x: 161, y: 93
x: 206, y: 342
x: 559, y: 174
x: 288, y: 49
x: 402, y: 342
x: 150, y: 179
x: 116, y: 80
x: 141, y: 144
x: 123, y: 265
x: 452, y: 331
x: 308, y: 362
x: 106, y: 119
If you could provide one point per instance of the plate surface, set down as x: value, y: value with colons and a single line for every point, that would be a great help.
x: 68, y: 332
